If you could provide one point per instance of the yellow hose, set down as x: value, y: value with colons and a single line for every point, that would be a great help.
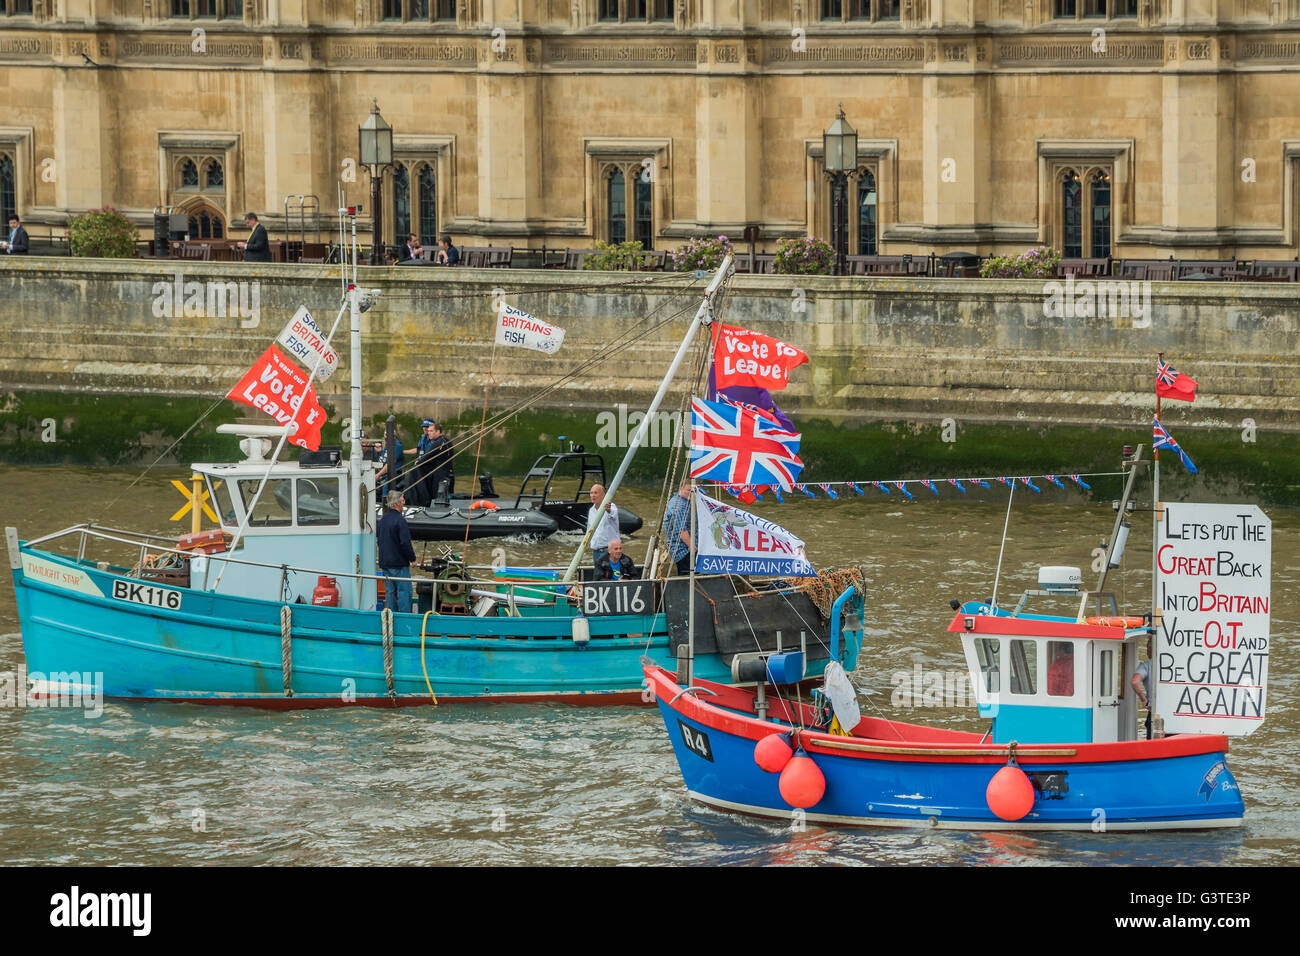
x: 424, y: 623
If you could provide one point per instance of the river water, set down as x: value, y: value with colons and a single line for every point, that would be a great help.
x: 547, y: 784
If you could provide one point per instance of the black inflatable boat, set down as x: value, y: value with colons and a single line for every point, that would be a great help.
x: 555, y: 496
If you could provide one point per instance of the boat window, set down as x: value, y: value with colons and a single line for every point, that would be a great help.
x: 219, y: 492
x: 1024, y: 667
x: 274, y: 507
x: 1060, y: 668
x: 1106, y: 677
x: 986, y: 650
x: 318, y: 501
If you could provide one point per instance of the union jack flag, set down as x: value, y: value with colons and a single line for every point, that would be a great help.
x: 929, y: 484
x: 854, y: 486
x: 1171, y: 383
x: 733, y: 445
x: 1054, y: 480
x: 902, y: 486
x: 881, y: 486
x: 956, y: 483
x: 1079, y: 481
x: 1165, y: 440
x: 829, y: 490
x: 806, y: 490
x: 1026, y: 481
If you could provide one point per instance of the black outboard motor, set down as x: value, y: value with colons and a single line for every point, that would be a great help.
x: 485, y: 486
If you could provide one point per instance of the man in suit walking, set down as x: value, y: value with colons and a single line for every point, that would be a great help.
x: 257, y: 248
x: 16, y: 244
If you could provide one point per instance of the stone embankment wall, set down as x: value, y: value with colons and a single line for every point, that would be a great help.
x: 988, y: 351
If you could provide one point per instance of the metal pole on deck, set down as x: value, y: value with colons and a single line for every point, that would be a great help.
x: 702, y: 316
x: 1156, y: 514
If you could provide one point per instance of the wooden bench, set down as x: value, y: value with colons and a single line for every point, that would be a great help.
x: 1082, y: 267
x: 1264, y: 270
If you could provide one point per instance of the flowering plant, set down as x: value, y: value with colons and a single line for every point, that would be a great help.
x: 702, y: 252
x: 620, y: 257
x: 1037, y: 263
x: 803, y: 257
x: 102, y: 234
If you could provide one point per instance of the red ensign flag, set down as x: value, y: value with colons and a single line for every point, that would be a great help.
x: 742, y: 357
x: 275, y: 385
x: 1171, y: 383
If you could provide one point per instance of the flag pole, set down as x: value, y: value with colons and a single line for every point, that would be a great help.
x: 703, y: 316
x: 1155, y: 533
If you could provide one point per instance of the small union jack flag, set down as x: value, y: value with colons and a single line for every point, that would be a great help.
x: 1026, y: 481
x: 777, y: 491
x: 1165, y: 440
x: 1171, y: 383
x: 929, y: 484
x: 902, y: 486
x: 1054, y: 480
x: 981, y: 482
x: 804, y: 489
x: 1080, y: 482
x: 854, y: 486
x: 734, y: 445
x: 956, y: 483
x: 882, y: 486
x: 829, y: 490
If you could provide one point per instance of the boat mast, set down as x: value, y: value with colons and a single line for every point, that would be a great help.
x: 703, y: 316
x: 1156, y: 513
x: 1119, y: 517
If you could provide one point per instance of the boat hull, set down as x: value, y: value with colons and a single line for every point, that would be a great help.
x: 219, y: 648
x: 941, y: 782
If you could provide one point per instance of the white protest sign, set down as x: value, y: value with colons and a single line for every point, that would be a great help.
x: 1213, y: 597
x: 517, y: 327
x: 732, y: 541
x: 305, y: 340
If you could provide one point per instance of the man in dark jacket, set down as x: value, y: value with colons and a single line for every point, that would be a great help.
x: 396, y: 554
x: 615, y: 565
x: 16, y: 243
x: 257, y: 248
x: 433, y: 468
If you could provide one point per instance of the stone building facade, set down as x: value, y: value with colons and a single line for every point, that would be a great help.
x: 1141, y: 128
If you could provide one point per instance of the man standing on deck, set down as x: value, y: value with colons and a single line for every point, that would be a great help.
x: 433, y: 468
x: 677, y: 528
x: 1141, y: 683
x: 604, y: 521
x: 396, y: 554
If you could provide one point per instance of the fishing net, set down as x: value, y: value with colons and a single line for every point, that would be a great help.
x: 829, y: 584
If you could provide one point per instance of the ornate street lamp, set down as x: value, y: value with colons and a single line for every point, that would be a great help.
x: 840, y: 146
x: 376, y: 153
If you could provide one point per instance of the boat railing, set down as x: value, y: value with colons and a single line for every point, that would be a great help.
x: 516, y: 593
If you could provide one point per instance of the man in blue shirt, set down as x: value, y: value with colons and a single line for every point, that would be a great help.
x: 677, y: 528
x: 396, y: 554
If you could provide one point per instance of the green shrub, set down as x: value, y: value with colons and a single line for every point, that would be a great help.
x: 702, y: 252
x: 803, y: 257
x: 102, y: 234
x: 1037, y: 263
x: 619, y: 257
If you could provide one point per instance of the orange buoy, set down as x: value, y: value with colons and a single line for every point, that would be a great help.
x: 772, y: 753
x: 484, y: 504
x: 1124, y: 622
x: 1010, y: 793
x: 802, y: 783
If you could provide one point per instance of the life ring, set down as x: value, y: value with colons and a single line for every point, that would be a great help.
x: 484, y: 504
x: 1124, y: 622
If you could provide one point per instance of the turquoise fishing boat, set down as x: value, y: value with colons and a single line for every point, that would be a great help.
x: 236, y: 615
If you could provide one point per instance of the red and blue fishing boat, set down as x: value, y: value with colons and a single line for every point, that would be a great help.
x: 1062, y: 750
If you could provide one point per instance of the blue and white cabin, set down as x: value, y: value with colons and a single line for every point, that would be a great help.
x: 1053, y: 679
x: 308, y: 517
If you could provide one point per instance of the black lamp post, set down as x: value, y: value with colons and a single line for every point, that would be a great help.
x: 376, y: 153
x: 840, y: 146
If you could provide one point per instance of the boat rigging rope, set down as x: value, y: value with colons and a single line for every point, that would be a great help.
x: 286, y: 648
x: 386, y: 620
x: 626, y: 339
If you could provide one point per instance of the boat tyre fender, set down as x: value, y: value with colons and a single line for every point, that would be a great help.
x: 484, y: 504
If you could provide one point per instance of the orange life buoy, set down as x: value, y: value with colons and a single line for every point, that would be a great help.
x: 485, y: 504
x: 1124, y: 622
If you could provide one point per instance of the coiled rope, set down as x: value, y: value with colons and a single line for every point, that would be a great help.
x: 286, y: 648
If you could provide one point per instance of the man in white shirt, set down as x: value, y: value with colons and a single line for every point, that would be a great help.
x: 605, y: 523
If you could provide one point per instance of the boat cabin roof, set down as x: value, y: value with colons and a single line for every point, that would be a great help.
x: 1067, y: 628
